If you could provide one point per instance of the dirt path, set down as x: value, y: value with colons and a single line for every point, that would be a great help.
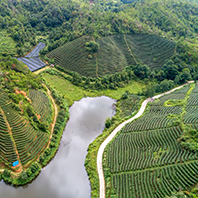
x: 130, y: 49
x: 55, y: 113
x: 115, y: 131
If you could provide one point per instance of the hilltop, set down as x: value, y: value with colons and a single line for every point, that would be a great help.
x: 111, y: 54
x: 58, y: 22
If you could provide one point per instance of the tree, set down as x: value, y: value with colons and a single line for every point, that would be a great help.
x: 16, y: 36
x: 185, y: 75
x: 170, y: 69
x: 29, y: 172
x: 6, y: 173
x: 166, y: 85
x: 23, y: 175
x: 92, y: 46
x: 108, y: 122
x: 142, y: 71
x: 195, y: 77
x: 149, y: 91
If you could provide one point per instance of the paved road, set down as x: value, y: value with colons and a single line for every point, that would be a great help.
x: 115, y: 131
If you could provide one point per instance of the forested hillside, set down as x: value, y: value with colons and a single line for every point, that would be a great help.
x: 57, y: 22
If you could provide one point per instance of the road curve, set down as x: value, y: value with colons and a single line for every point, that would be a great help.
x: 115, y: 131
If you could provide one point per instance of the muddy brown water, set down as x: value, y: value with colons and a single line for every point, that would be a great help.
x: 65, y: 176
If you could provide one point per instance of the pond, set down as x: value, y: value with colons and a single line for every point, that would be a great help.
x: 65, y: 176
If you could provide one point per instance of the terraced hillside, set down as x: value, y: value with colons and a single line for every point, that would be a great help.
x: 146, y: 159
x: 115, y: 53
x: 73, y: 56
x: 40, y: 103
x: 20, y: 141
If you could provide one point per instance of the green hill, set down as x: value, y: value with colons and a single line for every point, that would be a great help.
x: 114, y: 54
x: 20, y: 141
x: 25, y: 115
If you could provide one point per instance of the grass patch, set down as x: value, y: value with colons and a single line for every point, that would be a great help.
x: 173, y: 102
x: 74, y: 93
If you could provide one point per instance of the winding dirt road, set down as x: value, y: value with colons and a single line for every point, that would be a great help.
x: 55, y: 112
x: 116, y: 130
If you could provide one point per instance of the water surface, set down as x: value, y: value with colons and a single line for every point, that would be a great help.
x: 65, y: 176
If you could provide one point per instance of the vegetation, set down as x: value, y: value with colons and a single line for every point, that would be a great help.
x: 25, y: 122
x: 7, y: 44
x: 148, y: 155
x: 73, y: 92
x: 114, y: 54
x: 103, y: 48
x: 128, y: 104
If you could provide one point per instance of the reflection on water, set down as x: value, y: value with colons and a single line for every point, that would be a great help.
x: 65, y: 176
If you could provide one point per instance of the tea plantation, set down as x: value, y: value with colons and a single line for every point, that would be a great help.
x: 115, y: 52
x: 147, y: 158
x: 20, y: 141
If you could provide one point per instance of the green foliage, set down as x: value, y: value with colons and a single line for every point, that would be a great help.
x: 23, y: 176
x: 6, y: 173
x: 128, y: 104
x: 92, y: 46
x: 149, y: 91
x: 173, y: 102
x: 108, y: 122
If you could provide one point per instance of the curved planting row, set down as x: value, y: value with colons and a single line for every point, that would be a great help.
x: 155, y: 183
x: 8, y: 153
x: 140, y: 150
x: 191, y: 117
x: 29, y: 142
x: 164, y: 110
x: 40, y: 103
x: 115, y: 53
x: 17, y: 135
x: 74, y: 57
x: 150, y: 49
x: 192, y: 101
x: 146, y: 159
x: 129, y: 105
x: 175, y: 96
x: 195, y: 90
x: 151, y: 121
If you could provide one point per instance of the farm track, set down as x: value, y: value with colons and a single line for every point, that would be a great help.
x: 115, y: 131
x: 55, y: 113
x: 130, y: 50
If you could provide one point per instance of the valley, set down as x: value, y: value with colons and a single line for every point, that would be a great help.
x: 99, y: 99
